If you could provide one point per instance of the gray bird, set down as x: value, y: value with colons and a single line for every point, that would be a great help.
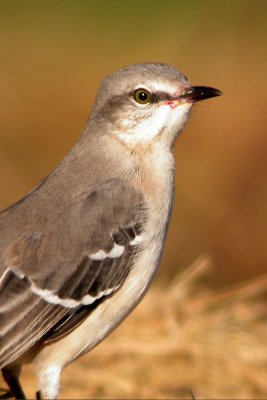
x: 79, y: 252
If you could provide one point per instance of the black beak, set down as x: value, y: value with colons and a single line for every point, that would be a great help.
x: 197, y: 93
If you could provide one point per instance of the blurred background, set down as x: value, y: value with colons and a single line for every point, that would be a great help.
x: 53, y: 55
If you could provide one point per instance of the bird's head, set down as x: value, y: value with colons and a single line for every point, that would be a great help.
x: 147, y: 102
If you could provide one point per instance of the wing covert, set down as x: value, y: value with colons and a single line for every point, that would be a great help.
x: 52, y: 279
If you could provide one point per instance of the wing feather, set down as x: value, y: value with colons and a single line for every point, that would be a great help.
x: 55, y: 276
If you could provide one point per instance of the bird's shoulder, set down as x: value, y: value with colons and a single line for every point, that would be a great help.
x: 76, y: 260
x: 88, y: 226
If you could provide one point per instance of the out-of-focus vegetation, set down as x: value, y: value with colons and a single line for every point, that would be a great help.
x: 184, y: 338
x: 53, y: 55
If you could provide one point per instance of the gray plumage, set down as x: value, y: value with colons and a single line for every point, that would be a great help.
x: 79, y: 251
x: 55, y: 257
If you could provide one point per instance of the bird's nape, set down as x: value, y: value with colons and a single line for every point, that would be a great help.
x: 79, y: 252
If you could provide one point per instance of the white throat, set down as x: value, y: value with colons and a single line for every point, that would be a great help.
x: 164, y: 117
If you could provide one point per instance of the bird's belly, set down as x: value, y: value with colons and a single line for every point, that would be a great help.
x: 107, y: 316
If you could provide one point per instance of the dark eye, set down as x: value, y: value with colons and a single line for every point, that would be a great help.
x: 142, y: 96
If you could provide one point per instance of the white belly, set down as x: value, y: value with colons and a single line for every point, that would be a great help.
x: 108, y: 314
x: 113, y: 310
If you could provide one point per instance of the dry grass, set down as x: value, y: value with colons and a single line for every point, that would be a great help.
x: 183, y: 337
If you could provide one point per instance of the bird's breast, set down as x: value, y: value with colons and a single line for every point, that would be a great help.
x: 108, y: 314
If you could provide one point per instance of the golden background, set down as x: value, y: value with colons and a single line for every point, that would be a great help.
x: 53, y: 55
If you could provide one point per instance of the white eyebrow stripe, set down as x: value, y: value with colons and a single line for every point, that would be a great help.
x: 163, y: 87
x: 115, y: 252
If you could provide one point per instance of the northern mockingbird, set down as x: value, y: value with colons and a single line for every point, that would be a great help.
x: 78, y: 253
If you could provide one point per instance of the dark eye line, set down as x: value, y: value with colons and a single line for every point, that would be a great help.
x: 161, y: 96
x: 156, y: 97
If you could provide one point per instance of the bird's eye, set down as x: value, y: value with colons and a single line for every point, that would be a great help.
x: 142, y: 96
